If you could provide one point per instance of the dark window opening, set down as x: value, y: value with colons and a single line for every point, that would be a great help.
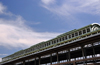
x: 66, y: 37
x: 60, y: 39
x: 63, y: 38
x: 80, y: 32
x: 72, y: 35
x: 76, y: 34
x: 84, y: 31
x: 54, y: 41
x: 69, y: 36
x: 88, y: 30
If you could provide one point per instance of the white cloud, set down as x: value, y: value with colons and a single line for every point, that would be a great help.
x: 47, y: 2
x: 3, y: 54
x: 2, y: 8
x: 71, y: 7
x: 14, y: 33
x: 12, y: 36
x: 0, y: 59
x: 18, y: 21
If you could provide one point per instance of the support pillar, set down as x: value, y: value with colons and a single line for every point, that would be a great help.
x: 39, y: 60
x: 51, y: 59
x: 24, y: 62
x: 69, y: 55
x: 57, y: 58
x: 28, y: 62
x: 35, y: 61
x: 83, y: 54
x: 93, y: 50
x: 74, y: 63
x: 93, y: 53
x: 69, y: 59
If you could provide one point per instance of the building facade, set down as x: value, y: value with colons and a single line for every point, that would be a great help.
x: 76, y: 47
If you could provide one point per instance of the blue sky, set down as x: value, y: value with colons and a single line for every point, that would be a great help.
x: 24, y: 23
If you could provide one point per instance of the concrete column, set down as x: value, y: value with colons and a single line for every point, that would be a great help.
x: 74, y: 63
x: 28, y: 62
x: 57, y: 58
x: 35, y: 61
x: 86, y: 30
x: 24, y: 62
x: 83, y: 54
x: 82, y: 32
x: 90, y: 28
x: 93, y: 53
x: 71, y: 35
x: 93, y: 50
x: 39, y: 60
x: 78, y: 33
x: 67, y: 36
x: 51, y: 59
x: 56, y: 40
x: 69, y: 54
x: 50, y: 42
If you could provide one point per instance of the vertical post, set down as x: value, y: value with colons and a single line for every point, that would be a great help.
x: 51, y: 59
x: 67, y: 36
x: 39, y: 60
x: 90, y: 29
x: 50, y: 42
x: 82, y: 31
x: 69, y: 54
x: 71, y: 35
x: 35, y: 61
x: 93, y: 53
x: 93, y: 50
x: 57, y: 58
x: 24, y: 62
x: 86, y: 30
x: 83, y: 54
x: 28, y: 62
x: 74, y: 63
x: 78, y: 33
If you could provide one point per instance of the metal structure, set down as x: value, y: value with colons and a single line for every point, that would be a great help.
x: 76, y: 47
